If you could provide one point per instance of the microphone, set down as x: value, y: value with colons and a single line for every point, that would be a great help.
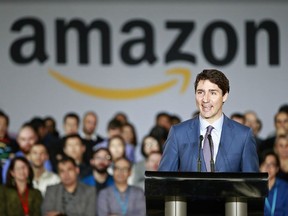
x: 211, y: 152
x: 199, y: 154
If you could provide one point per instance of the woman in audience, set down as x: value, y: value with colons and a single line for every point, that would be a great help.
x: 20, y: 196
x: 276, y: 202
x: 116, y: 146
x: 129, y: 134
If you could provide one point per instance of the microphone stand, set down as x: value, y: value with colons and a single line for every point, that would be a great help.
x: 211, y: 152
x: 199, y: 154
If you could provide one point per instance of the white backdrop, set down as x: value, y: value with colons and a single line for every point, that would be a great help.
x: 29, y: 89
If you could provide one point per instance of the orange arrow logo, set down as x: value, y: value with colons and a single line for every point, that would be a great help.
x: 125, y: 94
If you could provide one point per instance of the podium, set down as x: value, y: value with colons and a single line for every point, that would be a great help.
x: 194, y: 193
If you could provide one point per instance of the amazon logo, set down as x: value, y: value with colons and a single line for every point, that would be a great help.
x: 176, y: 49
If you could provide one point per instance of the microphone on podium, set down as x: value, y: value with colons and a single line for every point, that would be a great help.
x: 199, y: 154
x: 212, y: 165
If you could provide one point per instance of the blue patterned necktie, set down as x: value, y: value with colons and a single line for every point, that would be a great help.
x: 206, y: 149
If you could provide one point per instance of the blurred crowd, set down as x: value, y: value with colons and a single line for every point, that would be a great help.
x: 81, y: 172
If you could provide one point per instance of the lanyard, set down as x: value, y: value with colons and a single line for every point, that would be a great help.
x: 123, y: 204
x: 267, y: 204
x: 24, y: 201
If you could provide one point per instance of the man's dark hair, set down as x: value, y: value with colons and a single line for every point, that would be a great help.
x: 72, y: 115
x: 163, y: 114
x: 283, y: 108
x: 114, y: 124
x: 237, y: 115
x: 126, y: 159
x: 72, y: 136
x: 101, y: 149
x: 65, y: 159
x: 216, y: 77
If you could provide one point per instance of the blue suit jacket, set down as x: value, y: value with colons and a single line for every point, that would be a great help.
x: 236, y: 153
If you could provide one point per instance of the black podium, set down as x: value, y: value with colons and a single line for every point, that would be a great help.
x: 191, y: 193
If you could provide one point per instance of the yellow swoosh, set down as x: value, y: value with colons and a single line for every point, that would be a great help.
x: 124, y: 94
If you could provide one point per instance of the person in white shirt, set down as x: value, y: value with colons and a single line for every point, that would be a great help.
x: 42, y: 178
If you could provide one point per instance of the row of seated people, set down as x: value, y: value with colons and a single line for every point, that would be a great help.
x: 74, y: 198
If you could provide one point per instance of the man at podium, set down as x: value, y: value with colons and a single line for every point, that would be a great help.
x: 210, y: 142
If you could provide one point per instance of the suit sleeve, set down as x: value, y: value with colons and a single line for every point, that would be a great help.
x: 169, y: 160
x: 250, y: 161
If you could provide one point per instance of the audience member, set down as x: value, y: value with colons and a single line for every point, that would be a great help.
x: 129, y: 134
x: 149, y: 144
x: 5, y: 140
x: 20, y: 196
x: 238, y: 117
x: 163, y: 119
x: 175, y: 119
x: 99, y: 177
x: 276, y: 202
x: 75, y: 148
x: 115, y: 129
x: 71, y: 122
x: 51, y: 142
x: 281, y: 126
x: 151, y: 164
x: 252, y: 121
x: 42, y: 177
x: 281, y: 149
x: 160, y: 133
x: 26, y: 138
x: 89, y: 135
x: 122, y: 117
x: 50, y: 124
x: 121, y: 199
x: 70, y: 197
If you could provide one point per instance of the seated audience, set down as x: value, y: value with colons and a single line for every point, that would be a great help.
x: 276, y: 202
x: 121, y: 199
x: 42, y: 177
x: 70, y: 197
x: 20, y: 196
x: 99, y: 177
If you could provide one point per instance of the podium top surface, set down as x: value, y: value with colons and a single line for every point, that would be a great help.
x: 203, y: 185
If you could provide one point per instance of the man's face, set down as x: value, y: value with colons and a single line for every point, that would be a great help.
x: 121, y: 171
x: 209, y: 100
x: 101, y: 161
x: 281, y: 123
x: 70, y: 126
x: 89, y: 124
x: 74, y: 148
x: 38, y: 156
x: 164, y: 121
x: 26, y: 139
x: 68, y: 173
x: 251, y: 121
x: 3, y: 126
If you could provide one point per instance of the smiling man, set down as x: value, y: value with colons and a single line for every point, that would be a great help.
x: 210, y: 142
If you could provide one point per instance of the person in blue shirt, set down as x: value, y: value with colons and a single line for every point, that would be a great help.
x: 276, y: 203
x: 99, y: 177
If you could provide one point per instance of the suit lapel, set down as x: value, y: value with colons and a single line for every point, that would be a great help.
x: 193, y: 135
x: 226, y: 140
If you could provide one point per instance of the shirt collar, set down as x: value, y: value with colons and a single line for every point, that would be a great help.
x: 217, y: 125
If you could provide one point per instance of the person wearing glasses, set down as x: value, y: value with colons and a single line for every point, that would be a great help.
x: 121, y: 198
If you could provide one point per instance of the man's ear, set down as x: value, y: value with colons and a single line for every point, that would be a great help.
x: 225, y: 97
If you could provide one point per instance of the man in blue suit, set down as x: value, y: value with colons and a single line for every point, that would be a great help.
x: 233, y: 146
